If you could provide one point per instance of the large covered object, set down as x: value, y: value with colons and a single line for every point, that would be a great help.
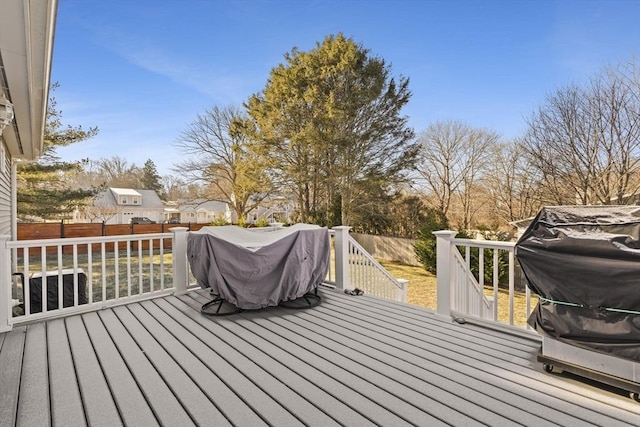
x: 584, y: 263
x: 257, y: 269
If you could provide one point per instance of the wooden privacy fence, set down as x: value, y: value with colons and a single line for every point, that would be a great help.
x: 37, y: 231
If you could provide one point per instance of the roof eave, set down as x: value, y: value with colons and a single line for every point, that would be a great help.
x: 27, y: 30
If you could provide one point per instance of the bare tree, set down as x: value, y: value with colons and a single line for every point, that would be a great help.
x: 455, y: 157
x: 585, y: 141
x: 112, y: 172
x: 99, y: 211
x: 221, y: 159
x: 513, y: 183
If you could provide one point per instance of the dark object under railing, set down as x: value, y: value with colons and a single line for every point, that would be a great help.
x: 35, y: 289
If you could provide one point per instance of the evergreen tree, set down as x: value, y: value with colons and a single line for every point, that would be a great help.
x: 45, y: 187
x: 425, y: 245
x: 330, y: 123
x: 150, y: 179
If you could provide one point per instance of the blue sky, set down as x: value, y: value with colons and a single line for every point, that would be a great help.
x: 141, y: 70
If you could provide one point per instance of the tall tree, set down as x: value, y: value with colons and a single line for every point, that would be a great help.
x: 330, y: 122
x: 44, y: 187
x: 220, y: 157
x: 585, y: 140
x: 116, y: 171
x: 454, y: 157
x: 513, y: 183
x: 149, y: 177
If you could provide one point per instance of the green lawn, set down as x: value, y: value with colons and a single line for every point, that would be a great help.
x: 142, y: 271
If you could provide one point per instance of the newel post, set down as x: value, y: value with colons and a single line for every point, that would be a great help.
x: 179, y: 247
x: 342, y: 256
x: 443, y: 270
x: 5, y: 285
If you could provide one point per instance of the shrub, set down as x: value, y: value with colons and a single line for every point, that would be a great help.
x: 262, y: 222
x: 425, y: 245
x: 219, y: 221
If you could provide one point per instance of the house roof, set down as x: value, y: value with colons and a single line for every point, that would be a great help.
x: 150, y: 198
x: 352, y: 360
x: 26, y: 50
x: 124, y: 191
x: 202, y: 205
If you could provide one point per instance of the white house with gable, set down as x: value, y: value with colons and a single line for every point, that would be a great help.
x: 119, y: 205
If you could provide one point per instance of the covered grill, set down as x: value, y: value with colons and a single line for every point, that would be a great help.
x: 584, y: 263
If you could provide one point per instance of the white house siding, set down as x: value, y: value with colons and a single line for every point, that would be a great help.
x: 5, y: 190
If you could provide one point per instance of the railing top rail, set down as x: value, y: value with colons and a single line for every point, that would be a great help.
x: 489, y: 244
x: 86, y: 240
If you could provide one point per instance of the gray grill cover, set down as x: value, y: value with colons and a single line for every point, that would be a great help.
x: 257, y: 269
x: 586, y: 259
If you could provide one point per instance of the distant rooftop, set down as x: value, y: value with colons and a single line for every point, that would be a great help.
x: 125, y: 191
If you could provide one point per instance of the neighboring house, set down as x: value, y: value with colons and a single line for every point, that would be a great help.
x: 521, y: 225
x: 26, y: 47
x: 200, y: 211
x: 272, y: 209
x: 171, y: 211
x: 119, y: 205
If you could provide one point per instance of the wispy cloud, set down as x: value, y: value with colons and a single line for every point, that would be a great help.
x: 208, y: 78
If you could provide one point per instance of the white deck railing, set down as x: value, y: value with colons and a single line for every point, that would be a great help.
x: 97, y: 272
x: 462, y: 291
x: 89, y: 272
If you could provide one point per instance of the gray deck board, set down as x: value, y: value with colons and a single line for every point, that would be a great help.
x: 34, y: 383
x: 448, y: 345
x: 352, y: 361
x: 67, y: 408
x: 282, y: 369
x: 158, y: 394
x: 193, y: 337
x: 186, y: 391
x: 128, y: 397
x: 10, y: 369
x: 230, y: 404
x: 280, y: 395
x: 99, y: 406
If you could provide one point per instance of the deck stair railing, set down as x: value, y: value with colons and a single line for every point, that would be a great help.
x: 467, y: 293
x: 355, y: 268
x: 461, y: 293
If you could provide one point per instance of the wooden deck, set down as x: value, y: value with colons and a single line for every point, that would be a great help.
x: 353, y: 361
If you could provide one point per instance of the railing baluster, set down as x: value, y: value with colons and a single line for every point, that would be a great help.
x: 90, y: 271
x: 75, y: 274
x: 116, y: 265
x: 104, y: 270
x: 43, y: 261
x: 60, y: 283
x: 140, y: 278
x: 496, y: 279
x: 512, y: 292
x: 161, y: 249
x: 128, y: 244
x: 150, y: 265
x: 26, y: 286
